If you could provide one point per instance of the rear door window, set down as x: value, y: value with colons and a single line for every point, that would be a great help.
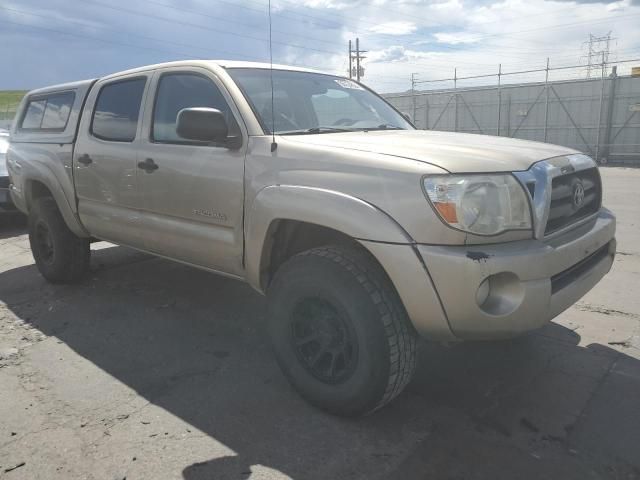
x: 49, y: 113
x: 116, y: 113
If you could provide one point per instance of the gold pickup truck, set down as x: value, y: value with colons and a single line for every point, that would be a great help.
x: 363, y: 232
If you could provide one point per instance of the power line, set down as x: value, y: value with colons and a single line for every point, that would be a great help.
x: 144, y: 37
x: 564, y: 25
x: 230, y: 20
x: 464, y: 49
x: 336, y: 52
x: 484, y: 35
x: 124, y: 44
x: 211, y: 29
x: 161, y: 40
x: 348, y: 19
x: 217, y: 30
x: 263, y: 40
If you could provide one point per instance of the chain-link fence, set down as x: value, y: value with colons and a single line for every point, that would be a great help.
x: 600, y: 116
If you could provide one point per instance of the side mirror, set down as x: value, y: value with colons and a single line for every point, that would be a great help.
x: 202, y: 124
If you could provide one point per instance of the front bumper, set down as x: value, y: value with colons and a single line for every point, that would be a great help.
x: 502, y: 290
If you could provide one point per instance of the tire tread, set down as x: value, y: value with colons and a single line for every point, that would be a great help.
x: 401, y: 338
x: 74, y: 250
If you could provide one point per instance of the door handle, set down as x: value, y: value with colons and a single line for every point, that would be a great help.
x: 148, y: 165
x: 85, y: 159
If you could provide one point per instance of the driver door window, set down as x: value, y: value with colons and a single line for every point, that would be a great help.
x: 177, y: 91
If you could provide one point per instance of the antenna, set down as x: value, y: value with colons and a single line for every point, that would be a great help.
x: 274, y: 145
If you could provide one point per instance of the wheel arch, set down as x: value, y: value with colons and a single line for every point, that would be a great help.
x: 38, y: 187
x: 285, y: 220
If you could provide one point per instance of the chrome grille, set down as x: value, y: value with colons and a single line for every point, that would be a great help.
x: 574, y: 196
x: 563, y: 190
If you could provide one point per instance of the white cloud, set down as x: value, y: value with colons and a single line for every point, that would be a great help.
x: 394, y: 28
x: 318, y: 4
x: 455, y: 38
x: 398, y: 53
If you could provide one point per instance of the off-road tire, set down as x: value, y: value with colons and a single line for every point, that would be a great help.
x: 63, y: 257
x: 354, y: 284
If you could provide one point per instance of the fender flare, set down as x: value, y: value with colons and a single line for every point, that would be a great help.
x: 347, y: 214
x: 61, y: 201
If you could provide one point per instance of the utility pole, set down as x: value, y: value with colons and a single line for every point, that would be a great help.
x: 546, y: 101
x: 357, y: 59
x: 597, y: 49
x: 356, y: 71
x: 350, y: 61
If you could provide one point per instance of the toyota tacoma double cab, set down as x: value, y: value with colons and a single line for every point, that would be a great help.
x: 363, y: 232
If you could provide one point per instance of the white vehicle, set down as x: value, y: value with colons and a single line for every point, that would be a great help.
x: 5, y: 198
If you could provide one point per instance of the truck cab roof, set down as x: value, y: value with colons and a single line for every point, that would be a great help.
x: 213, y: 65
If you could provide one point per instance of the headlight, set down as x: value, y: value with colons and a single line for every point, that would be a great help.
x: 479, y: 204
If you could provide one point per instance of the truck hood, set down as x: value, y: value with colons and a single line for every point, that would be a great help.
x: 454, y: 152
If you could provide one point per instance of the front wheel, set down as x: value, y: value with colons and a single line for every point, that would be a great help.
x: 339, y: 330
x: 60, y: 255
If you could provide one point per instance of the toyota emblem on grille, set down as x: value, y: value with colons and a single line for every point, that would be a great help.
x: 578, y: 195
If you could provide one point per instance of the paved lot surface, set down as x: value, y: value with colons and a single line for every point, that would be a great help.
x: 151, y: 370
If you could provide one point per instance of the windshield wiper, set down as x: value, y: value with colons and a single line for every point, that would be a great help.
x: 384, y: 126
x: 314, y: 130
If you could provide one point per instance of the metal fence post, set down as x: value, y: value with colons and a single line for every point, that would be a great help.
x: 610, y: 106
x: 509, y: 115
x: 426, y: 112
x: 546, y: 101
x: 600, y: 110
x: 413, y: 98
x: 455, y: 92
x: 499, y: 100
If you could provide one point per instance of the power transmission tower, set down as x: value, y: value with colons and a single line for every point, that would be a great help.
x: 597, y: 52
x: 356, y: 56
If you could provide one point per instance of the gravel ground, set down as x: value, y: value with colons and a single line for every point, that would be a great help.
x: 152, y: 370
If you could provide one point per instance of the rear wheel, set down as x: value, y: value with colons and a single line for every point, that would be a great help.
x: 60, y: 255
x: 339, y: 330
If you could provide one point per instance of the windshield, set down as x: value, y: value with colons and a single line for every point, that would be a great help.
x: 314, y: 103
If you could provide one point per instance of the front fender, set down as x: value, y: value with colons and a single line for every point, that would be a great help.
x: 350, y: 215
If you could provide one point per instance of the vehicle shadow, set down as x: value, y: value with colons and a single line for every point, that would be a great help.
x: 193, y: 343
x: 12, y: 224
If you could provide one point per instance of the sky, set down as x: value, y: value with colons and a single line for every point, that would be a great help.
x: 45, y: 42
